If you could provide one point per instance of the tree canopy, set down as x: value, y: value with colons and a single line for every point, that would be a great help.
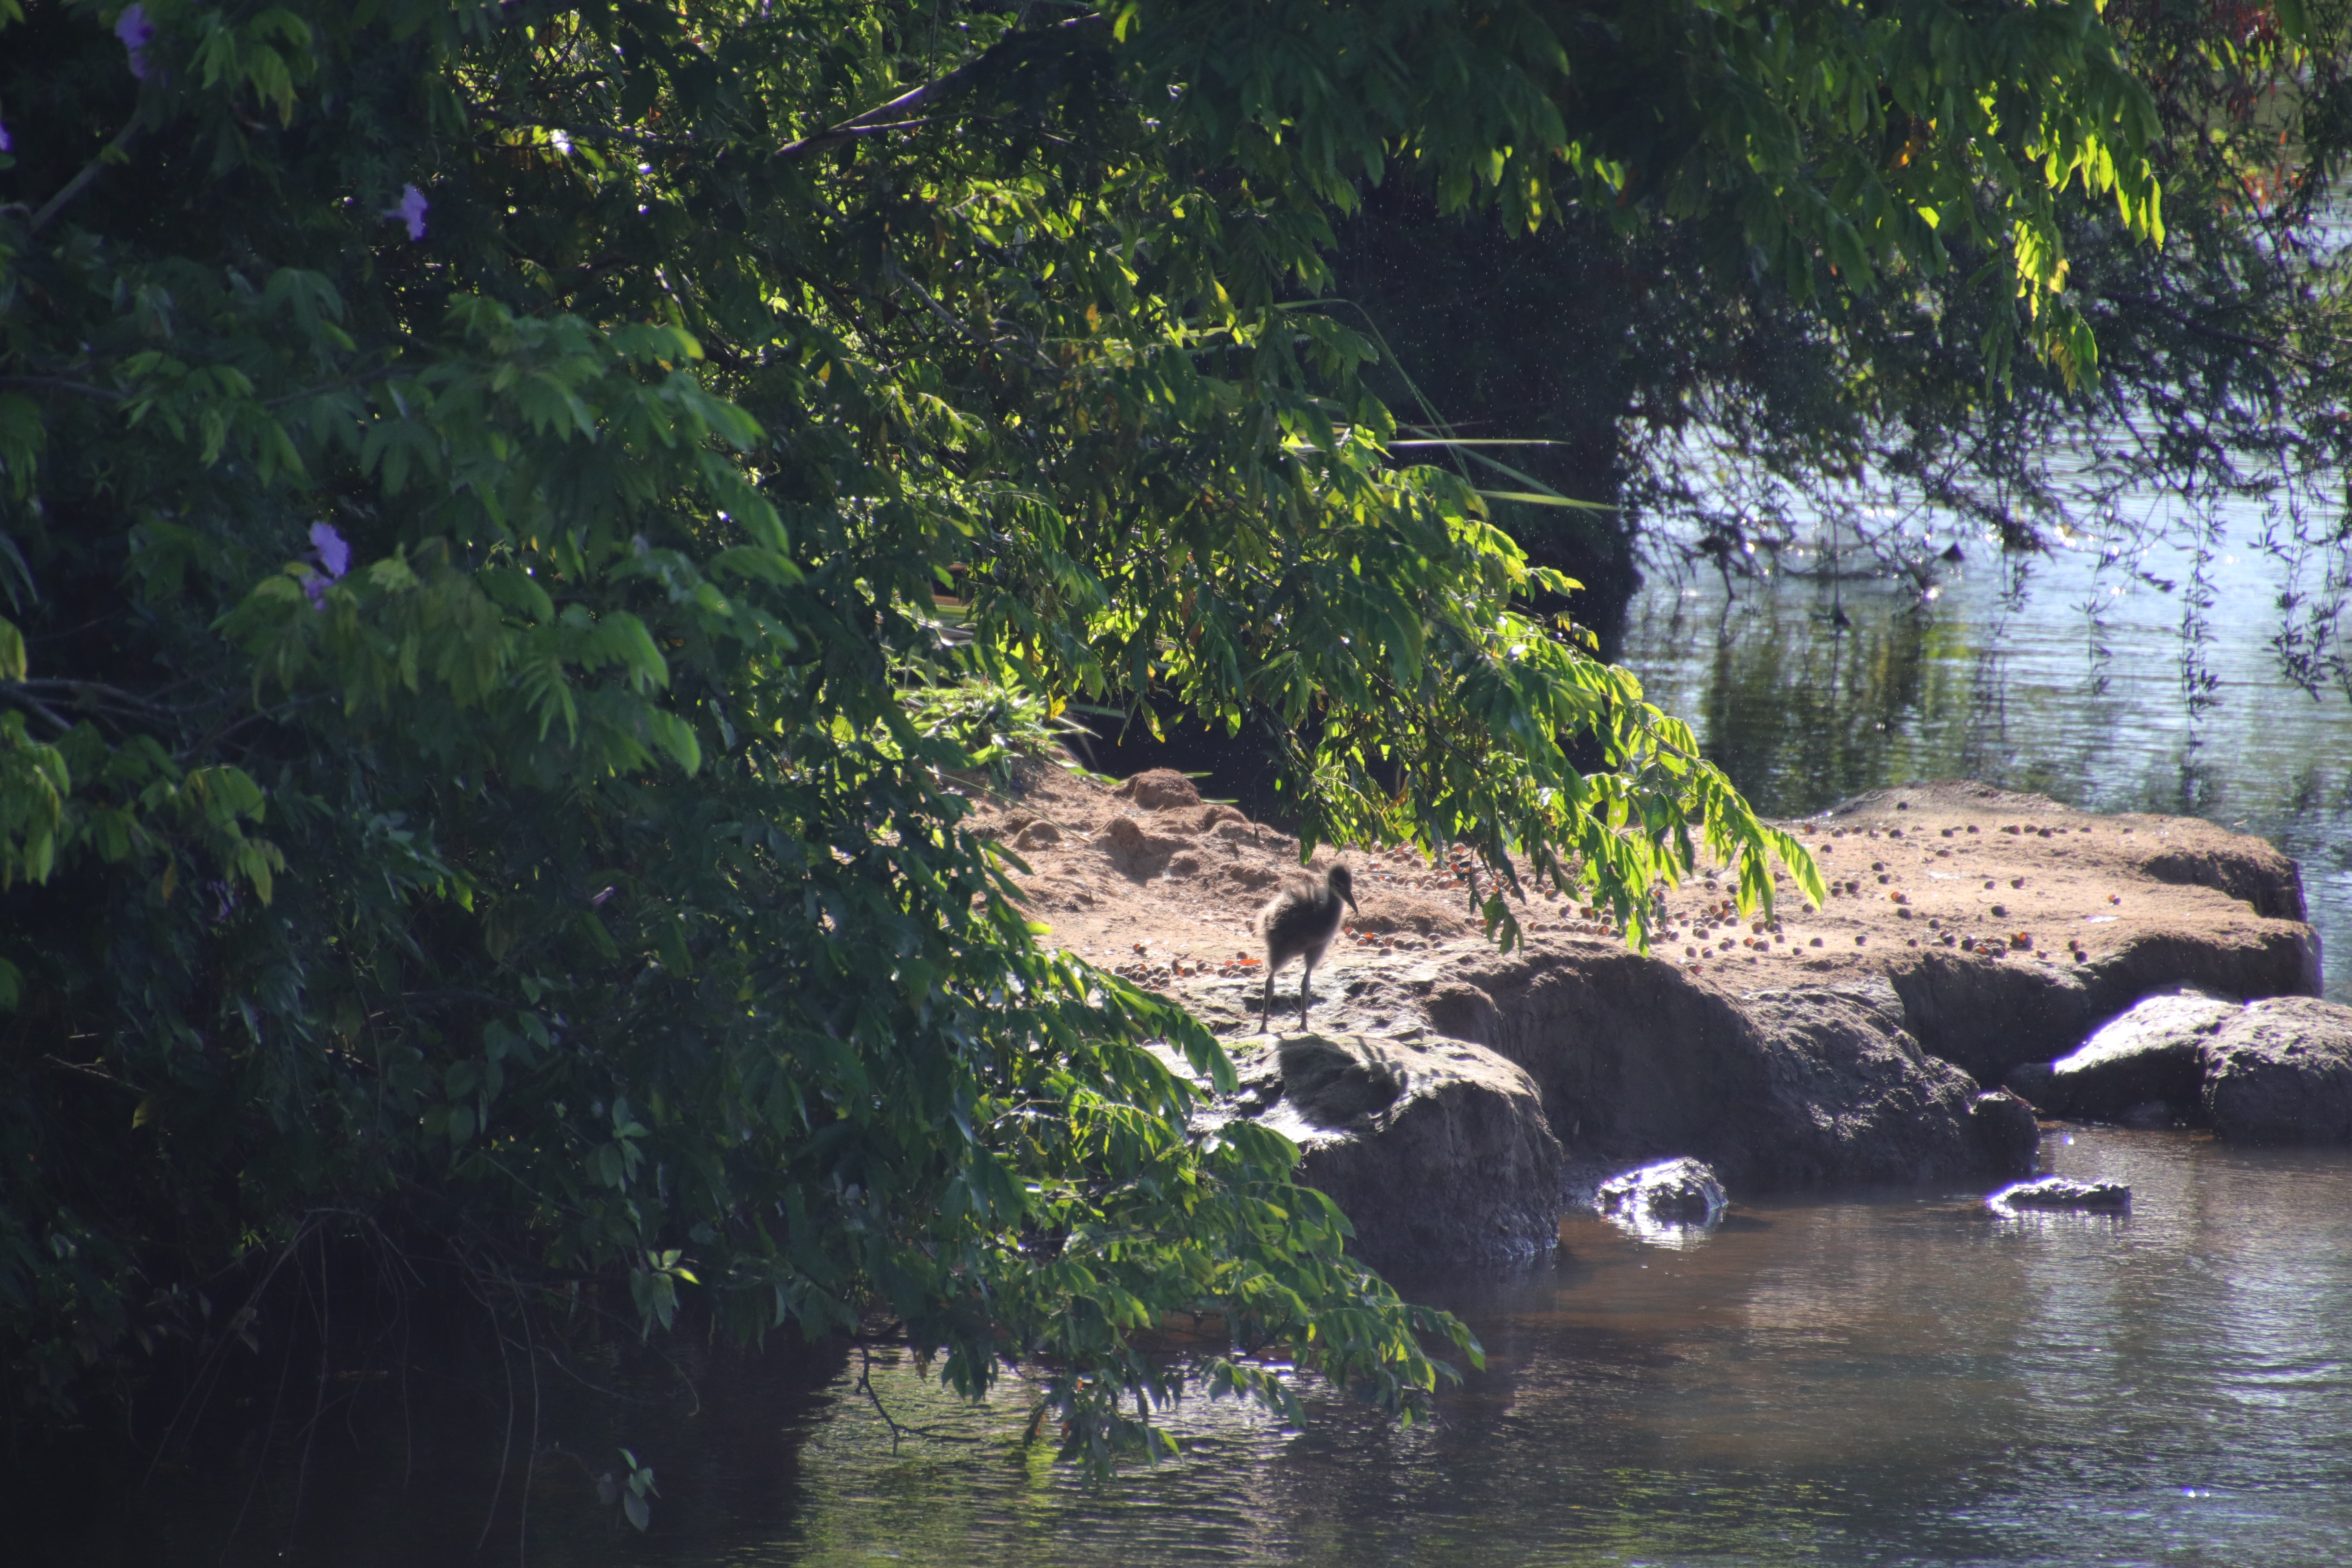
x: 1728, y: 412
x: 479, y: 482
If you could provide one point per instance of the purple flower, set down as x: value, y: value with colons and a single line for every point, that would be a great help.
x: 136, y: 32
x: 333, y: 551
x: 6, y: 144
x: 411, y: 211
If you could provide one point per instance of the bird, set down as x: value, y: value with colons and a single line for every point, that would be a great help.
x: 1300, y: 922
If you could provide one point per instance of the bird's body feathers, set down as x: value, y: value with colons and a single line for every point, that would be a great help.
x: 1300, y: 921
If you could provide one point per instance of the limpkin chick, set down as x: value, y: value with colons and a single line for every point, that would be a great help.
x: 1300, y: 922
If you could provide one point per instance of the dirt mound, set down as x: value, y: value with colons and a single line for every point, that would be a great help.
x: 2011, y: 925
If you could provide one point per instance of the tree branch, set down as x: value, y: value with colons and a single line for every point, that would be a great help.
x: 80, y: 181
x: 2220, y: 334
x: 882, y: 116
x: 60, y: 383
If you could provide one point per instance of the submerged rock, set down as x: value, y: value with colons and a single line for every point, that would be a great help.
x: 2281, y: 1072
x: 2061, y: 1192
x: 1437, y: 1150
x: 2150, y: 1056
x: 1671, y: 1193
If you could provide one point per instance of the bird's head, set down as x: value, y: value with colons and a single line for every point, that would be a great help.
x: 1344, y: 885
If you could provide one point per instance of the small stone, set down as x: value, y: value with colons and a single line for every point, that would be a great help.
x: 2060, y: 1193
x: 1671, y: 1193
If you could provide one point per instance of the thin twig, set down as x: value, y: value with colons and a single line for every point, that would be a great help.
x: 530, y: 1463
x: 80, y: 181
x: 506, y: 1446
x: 865, y: 1382
x: 319, y: 1400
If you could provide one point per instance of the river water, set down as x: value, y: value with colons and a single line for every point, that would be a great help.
x: 1897, y: 1379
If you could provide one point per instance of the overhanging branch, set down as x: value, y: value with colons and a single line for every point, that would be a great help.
x: 894, y: 115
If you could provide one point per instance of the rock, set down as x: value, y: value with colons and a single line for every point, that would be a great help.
x: 1156, y: 789
x: 2152, y: 1054
x: 1989, y: 1017
x: 1810, y: 1088
x: 1439, y: 1151
x: 1337, y: 1086
x: 2030, y: 1081
x: 2006, y: 1131
x: 2255, y: 873
x: 2281, y: 1072
x: 2061, y: 1192
x: 1670, y: 1194
x: 1852, y: 1099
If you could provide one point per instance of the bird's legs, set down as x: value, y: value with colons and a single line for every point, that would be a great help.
x: 1265, y: 1013
x: 1304, y: 979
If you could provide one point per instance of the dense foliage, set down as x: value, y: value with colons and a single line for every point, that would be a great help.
x: 481, y: 483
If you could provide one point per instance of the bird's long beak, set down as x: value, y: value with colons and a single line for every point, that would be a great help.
x: 1351, y: 903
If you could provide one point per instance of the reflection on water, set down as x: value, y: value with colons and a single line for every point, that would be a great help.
x: 1904, y: 1379
x: 1908, y: 1380
x: 2009, y: 679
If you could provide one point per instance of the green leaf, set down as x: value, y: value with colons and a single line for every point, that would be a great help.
x: 1541, y: 498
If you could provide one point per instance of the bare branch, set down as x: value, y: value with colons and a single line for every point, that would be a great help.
x: 882, y: 116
